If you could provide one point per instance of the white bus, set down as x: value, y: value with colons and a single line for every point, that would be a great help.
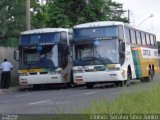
x: 44, y: 56
x: 110, y: 51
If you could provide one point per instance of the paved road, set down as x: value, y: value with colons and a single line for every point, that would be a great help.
x: 72, y: 100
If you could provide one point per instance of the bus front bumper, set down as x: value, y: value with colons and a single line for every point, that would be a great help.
x: 41, y: 79
x: 102, y: 76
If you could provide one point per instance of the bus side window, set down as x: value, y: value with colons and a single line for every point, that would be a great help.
x: 143, y: 38
x: 155, y: 43
x: 120, y: 32
x: 133, y: 36
x: 152, y: 39
x: 138, y: 37
x: 148, y: 39
x: 127, y: 35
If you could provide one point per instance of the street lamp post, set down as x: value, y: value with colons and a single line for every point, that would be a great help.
x: 151, y: 15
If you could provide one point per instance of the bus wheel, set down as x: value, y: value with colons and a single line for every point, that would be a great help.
x: 124, y: 83
x: 129, y: 75
x: 142, y: 80
x: 118, y: 83
x: 148, y: 79
x: 128, y: 81
x: 90, y: 85
x: 36, y: 87
x: 121, y: 83
x: 145, y: 79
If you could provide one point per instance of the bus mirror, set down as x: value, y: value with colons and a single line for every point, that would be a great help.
x: 122, y: 55
x: 68, y: 50
x: 123, y: 46
x: 16, y: 55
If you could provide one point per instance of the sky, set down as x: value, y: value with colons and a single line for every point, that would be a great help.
x: 140, y: 10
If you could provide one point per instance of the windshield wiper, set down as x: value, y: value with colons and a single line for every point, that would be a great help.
x: 104, y: 61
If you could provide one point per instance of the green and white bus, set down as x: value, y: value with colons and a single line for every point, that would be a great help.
x: 44, y: 56
x: 110, y: 51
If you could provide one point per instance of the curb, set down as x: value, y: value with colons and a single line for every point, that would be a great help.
x: 6, y: 91
x: 11, y: 89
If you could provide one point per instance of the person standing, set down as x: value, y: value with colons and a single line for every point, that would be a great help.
x: 6, y: 68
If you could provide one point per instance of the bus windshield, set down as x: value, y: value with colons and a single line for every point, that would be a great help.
x: 40, y: 38
x: 44, y: 56
x: 95, y: 32
x: 100, y: 52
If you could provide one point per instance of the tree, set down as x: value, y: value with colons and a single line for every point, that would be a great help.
x: 39, y: 15
x: 56, y: 13
x: 66, y: 13
x: 11, y: 19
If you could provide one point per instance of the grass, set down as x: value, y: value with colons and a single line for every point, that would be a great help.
x: 143, y: 101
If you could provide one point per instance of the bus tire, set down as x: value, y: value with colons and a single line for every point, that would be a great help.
x: 128, y: 81
x: 142, y: 80
x: 129, y: 75
x: 148, y: 78
x: 124, y: 83
x: 117, y: 84
x: 36, y: 87
x: 90, y: 85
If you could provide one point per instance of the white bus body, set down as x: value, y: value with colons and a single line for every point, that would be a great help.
x: 44, y: 56
x: 101, y: 54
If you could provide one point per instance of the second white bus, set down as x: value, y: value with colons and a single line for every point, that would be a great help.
x: 108, y: 51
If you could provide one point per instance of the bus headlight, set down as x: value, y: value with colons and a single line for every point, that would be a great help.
x: 54, y: 72
x: 114, y: 69
x: 23, y: 74
x: 77, y: 71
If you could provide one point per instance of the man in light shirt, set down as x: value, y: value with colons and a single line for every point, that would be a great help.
x: 6, y: 68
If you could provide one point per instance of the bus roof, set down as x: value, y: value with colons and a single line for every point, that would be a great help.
x: 46, y: 30
x: 106, y: 23
x: 98, y: 24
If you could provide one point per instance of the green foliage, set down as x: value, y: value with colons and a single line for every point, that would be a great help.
x: 38, y: 15
x: 12, y: 19
x: 143, y: 101
x: 66, y: 13
x: 56, y: 13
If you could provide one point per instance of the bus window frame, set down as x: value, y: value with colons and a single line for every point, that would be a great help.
x: 120, y: 32
x: 155, y: 42
x: 151, y: 39
x: 127, y: 35
x: 147, y: 39
x: 133, y: 35
x: 63, y: 37
x: 138, y: 37
x: 143, y: 39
